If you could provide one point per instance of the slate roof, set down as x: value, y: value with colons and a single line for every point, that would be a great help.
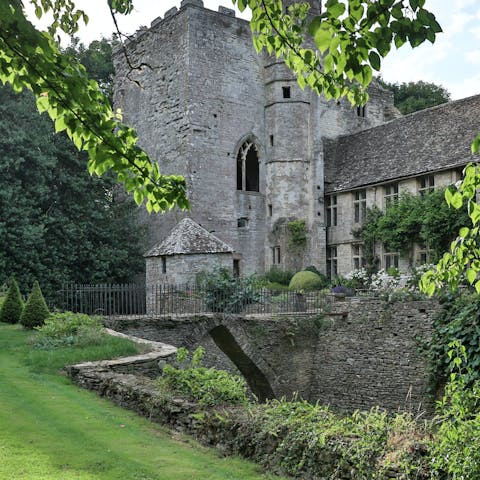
x: 188, y: 238
x: 437, y: 138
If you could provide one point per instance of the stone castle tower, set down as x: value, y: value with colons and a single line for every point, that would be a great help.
x: 236, y: 124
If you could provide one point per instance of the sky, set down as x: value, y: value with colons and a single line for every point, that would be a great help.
x: 453, y: 61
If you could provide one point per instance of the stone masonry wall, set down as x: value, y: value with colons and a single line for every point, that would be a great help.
x: 342, y: 235
x: 363, y: 353
x: 202, y: 96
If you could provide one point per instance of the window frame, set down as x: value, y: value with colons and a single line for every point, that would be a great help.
x: 360, y: 206
x: 332, y: 261
x: 331, y: 210
x: 426, y: 184
x: 244, y: 167
x: 358, y: 257
x: 393, y: 258
x: 390, y: 196
x: 276, y: 255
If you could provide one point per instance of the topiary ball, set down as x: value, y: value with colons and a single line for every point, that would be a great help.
x: 306, y: 280
x: 36, y: 311
x: 12, y: 306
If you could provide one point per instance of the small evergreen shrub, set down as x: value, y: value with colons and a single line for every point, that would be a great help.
x: 275, y: 275
x: 69, y: 329
x: 36, y: 311
x: 208, y: 386
x: 225, y: 293
x: 12, y: 305
x: 306, y: 280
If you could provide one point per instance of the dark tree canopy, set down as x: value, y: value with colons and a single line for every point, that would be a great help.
x: 97, y: 59
x: 413, y: 96
x: 57, y: 223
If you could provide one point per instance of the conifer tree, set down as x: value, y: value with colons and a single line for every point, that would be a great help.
x: 36, y: 310
x: 12, y: 306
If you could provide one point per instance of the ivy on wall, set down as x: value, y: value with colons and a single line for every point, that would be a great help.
x: 298, y: 233
x: 413, y: 219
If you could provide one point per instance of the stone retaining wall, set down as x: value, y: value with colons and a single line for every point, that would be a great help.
x: 364, y: 352
x: 229, y: 429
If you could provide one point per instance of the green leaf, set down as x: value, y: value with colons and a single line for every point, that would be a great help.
x: 322, y: 38
x: 457, y: 200
x: 471, y: 275
x: 374, y: 60
x: 336, y: 10
x: 138, y: 197
x: 242, y: 5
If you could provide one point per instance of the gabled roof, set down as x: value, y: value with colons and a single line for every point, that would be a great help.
x: 188, y: 238
x: 437, y: 138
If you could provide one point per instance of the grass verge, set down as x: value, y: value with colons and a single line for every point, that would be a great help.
x: 50, y: 429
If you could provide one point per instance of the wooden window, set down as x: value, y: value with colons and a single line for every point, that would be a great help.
x: 332, y: 262
x: 391, y: 260
x: 423, y: 254
x: 391, y: 193
x: 331, y: 210
x: 426, y: 184
x: 358, y: 257
x: 360, y: 206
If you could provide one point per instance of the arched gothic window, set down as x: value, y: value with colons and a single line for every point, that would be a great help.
x: 248, y: 170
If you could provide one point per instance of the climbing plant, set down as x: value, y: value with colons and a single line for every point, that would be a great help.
x: 413, y: 219
x: 298, y: 233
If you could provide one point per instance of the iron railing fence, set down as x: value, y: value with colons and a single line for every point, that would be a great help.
x: 103, y: 299
x: 133, y: 299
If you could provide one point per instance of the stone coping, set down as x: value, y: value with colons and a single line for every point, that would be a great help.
x: 157, y: 352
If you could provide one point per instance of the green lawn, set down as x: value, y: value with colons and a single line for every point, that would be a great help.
x: 50, y: 429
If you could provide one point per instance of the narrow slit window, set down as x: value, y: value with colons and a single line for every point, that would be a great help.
x: 276, y: 255
x: 236, y: 268
x: 286, y: 92
x: 242, y: 222
x: 164, y: 265
x: 361, y: 111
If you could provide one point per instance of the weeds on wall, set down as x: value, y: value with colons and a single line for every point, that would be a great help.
x: 207, y: 386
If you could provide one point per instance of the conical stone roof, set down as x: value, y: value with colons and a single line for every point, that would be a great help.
x: 188, y: 238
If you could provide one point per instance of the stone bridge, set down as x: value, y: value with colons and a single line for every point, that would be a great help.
x: 362, y: 353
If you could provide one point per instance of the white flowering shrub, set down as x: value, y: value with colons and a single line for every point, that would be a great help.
x: 359, y: 279
x: 382, y: 281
